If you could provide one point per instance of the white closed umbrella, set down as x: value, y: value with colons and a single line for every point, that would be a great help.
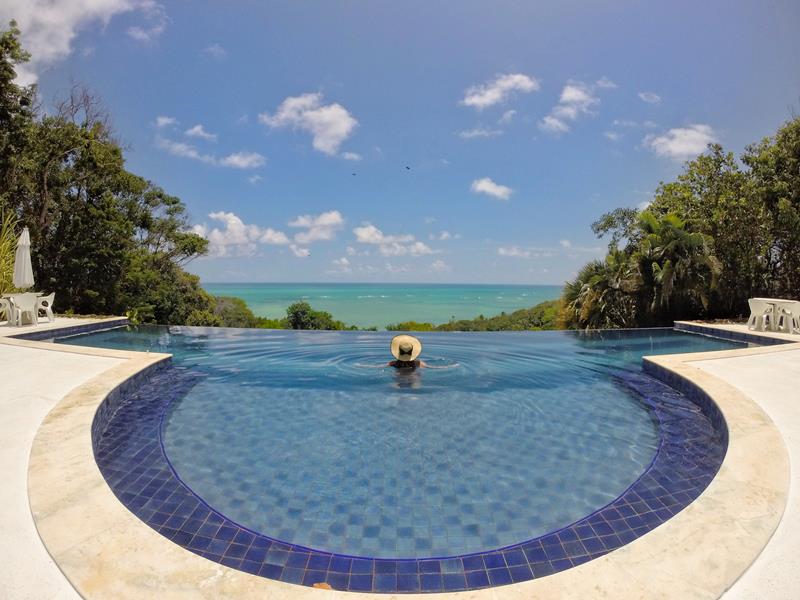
x: 23, y: 270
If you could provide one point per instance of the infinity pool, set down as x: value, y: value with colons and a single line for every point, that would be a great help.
x: 309, y: 438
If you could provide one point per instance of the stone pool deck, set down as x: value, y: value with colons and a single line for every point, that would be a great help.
x: 697, y: 554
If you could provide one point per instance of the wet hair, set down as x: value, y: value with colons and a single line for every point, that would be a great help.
x: 406, y: 364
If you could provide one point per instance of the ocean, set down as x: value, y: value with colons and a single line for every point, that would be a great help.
x: 379, y: 304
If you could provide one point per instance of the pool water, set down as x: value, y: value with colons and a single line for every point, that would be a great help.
x: 310, y: 438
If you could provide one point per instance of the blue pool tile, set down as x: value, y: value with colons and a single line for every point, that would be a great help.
x: 271, y: 571
x: 408, y: 567
x: 338, y: 581
x: 430, y: 582
x: 542, y: 569
x: 385, y: 582
x: 454, y: 582
x: 360, y: 583
x: 477, y: 579
x: 501, y: 576
x: 361, y: 566
x: 515, y: 557
x: 313, y: 576
x: 473, y: 563
x: 520, y: 573
x: 494, y: 560
x: 385, y: 566
x: 290, y: 575
x: 319, y: 562
x: 451, y: 565
x: 340, y: 564
x: 408, y: 582
x: 250, y: 566
x: 430, y: 566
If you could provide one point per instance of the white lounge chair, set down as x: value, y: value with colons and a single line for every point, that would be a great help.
x: 789, y: 317
x: 761, y: 315
x: 45, y: 303
x: 5, y: 309
x: 22, y: 304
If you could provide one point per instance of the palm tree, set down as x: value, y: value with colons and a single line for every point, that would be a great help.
x: 677, y: 267
x: 603, y: 293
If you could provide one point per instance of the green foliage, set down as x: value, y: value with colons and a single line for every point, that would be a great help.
x: 411, y: 326
x: 722, y: 232
x: 103, y: 239
x: 263, y: 323
x: 8, y: 249
x: 542, y: 316
x: 300, y: 315
x: 203, y: 318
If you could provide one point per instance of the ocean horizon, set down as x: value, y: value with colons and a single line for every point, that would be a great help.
x: 380, y: 304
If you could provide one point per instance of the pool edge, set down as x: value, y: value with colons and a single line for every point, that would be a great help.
x: 663, y: 563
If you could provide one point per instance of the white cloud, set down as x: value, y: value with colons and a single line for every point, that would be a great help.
x: 390, y: 268
x: 351, y: 156
x: 215, y: 51
x: 236, y: 238
x: 614, y: 136
x: 551, y: 124
x: 443, y: 236
x: 486, y: 186
x: 513, y: 251
x: 156, y: 16
x: 439, y: 266
x: 649, y: 97
x: 498, y: 90
x: 342, y: 263
x: 299, y: 251
x: 162, y: 121
x: 184, y: 150
x: 681, y: 143
x: 322, y: 227
x: 329, y: 125
x: 253, y: 179
x: 565, y: 243
x: 49, y: 27
x: 605, y: 83
x: 391, y: 245
x: 577, y: 99
x: 237, y: 160
x: 199, y: 132
x: 479, y: 132
x: 507, y: 117
x: 243, y: 160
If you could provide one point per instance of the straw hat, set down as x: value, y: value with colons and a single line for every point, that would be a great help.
x: 405, y: 347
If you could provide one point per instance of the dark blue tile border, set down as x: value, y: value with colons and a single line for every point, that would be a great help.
x: 733, y: 336
x: 64, y: 332
x: 128, y: 449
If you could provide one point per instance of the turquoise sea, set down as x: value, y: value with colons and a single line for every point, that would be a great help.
x: 379, y: 304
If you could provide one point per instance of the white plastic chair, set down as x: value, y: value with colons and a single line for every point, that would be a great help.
x: 22, y: 304
x: 45, y: 303
x: 789, y: 317
x: 761, y: 315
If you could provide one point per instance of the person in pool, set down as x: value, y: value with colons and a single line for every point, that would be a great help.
x: 406, y: 349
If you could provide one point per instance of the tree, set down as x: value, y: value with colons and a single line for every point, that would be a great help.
x: 677, y: 269
x: 300, y: 315
x: 104, y: 240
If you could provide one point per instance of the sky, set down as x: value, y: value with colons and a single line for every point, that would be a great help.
x: 415, y: 141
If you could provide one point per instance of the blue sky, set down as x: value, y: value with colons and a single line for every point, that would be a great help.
x: 415, y: 141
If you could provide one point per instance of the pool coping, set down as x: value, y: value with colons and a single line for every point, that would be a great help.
x: 85, y: 527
